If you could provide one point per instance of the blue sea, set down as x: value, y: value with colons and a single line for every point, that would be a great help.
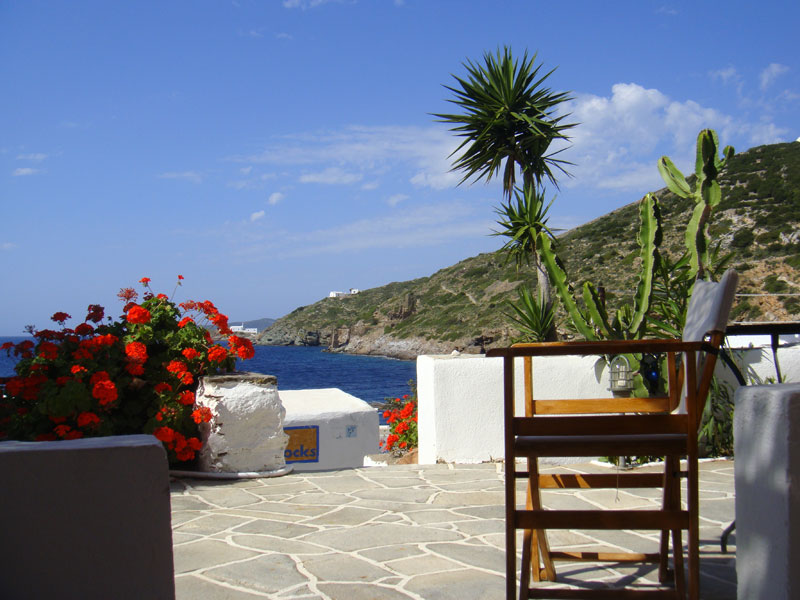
x: 369, y: 378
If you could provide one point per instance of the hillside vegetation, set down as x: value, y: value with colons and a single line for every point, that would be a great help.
x: 462, y: 307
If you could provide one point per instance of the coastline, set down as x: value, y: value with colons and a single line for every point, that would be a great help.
x: 383, y: 345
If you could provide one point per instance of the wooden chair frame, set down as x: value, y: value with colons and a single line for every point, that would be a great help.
x: 599, y: 427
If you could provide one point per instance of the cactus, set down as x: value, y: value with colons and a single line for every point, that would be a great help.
x: 628, y: 323
x: 649, y: 238
x: 706, y: 194
x: 559, y: 279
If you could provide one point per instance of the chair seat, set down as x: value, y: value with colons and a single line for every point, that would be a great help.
x: 662, y: 444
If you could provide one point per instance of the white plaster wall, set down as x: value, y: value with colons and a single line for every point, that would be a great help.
x: 348, y: 426
x: 767, y: 478
x: 758, y: 366
x: 460, y: 414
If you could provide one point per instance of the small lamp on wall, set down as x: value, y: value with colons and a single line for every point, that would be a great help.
x: 621, y: 375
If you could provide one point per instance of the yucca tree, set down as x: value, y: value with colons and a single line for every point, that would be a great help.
x: 509, y: 121
x: 523, y: 220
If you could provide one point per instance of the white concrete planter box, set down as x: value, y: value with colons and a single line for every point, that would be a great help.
x: 329, y: 429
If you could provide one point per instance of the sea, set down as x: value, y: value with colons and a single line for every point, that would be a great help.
x: 370, y: 378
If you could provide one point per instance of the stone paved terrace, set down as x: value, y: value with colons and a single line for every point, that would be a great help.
x: 406, y: 531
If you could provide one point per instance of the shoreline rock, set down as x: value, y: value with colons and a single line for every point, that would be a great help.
x: 374, y: 343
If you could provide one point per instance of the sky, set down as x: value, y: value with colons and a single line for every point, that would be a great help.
x: 273, y: 151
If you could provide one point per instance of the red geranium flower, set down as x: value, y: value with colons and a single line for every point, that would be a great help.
x: 60, y: 317
x: 162, y: 387
x: 137, y: 314
x: 96, y: 313
x: 217, y: 354
x: 144, y: 280
x: 99, y: 376
x: 190, y: 353
x: 186, y: 398
x: 137, y: 351
x: 48, y: 350
x: 88, y: 419
x: 165, y: 434
x: 105, y: 392
x: 84, y: 329
x: 135, y: 368
x: 202, y: 415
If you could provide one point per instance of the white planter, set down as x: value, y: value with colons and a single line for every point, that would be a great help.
x: 246, y: 432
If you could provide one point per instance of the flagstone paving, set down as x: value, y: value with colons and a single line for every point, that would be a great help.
x: 426, y: 532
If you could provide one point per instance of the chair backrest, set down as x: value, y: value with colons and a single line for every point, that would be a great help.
x: 709, y: 306
x: 708, y: 311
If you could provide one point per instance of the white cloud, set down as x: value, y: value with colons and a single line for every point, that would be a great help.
x: 192, y: 176
x: 424, y: 226
x: 620, y: 137
x: 367, y: 152
x: 667, y: 10
x: 251, y: 183
x: 256, y: 216
x: 304, y: 4
x: 253, y: 33
x: 370, y: 185
x: 396, y: 199
x: 767, y: 133
x: 770, y: 74
x: 726, y: 75
x: 7, y: 246
x: 331, y: 175
x: 25, y: 171
x: 275, y: 197
x: 283, y: 36
x: 35, y: 157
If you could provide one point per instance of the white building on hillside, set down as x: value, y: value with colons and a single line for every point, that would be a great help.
x: 343, y: 294
x: 242, y: 329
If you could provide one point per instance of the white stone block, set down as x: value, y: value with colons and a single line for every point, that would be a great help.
x: 246, y: 433
x: 767, y: 480
x: 330, y: 429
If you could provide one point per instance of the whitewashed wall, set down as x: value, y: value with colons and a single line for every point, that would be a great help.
x: 460, y: 415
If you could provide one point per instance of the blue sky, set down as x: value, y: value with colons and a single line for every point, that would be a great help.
x: 273, y: 151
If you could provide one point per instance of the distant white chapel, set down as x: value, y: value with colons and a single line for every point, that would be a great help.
x: 343, y: 294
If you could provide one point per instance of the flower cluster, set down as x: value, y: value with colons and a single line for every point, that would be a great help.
x: 401, y: 415
x: 136, y: 374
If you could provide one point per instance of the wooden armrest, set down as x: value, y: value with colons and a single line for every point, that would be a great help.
x: 601, y: 347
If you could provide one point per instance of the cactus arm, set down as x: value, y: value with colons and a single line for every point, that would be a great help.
x: 559, y: 279
x: 649, y: 239
x: 674, y: 179
x: 695, y: 240
x: 596, y: 311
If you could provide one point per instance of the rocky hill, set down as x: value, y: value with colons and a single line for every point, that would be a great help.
x: 462, y: 307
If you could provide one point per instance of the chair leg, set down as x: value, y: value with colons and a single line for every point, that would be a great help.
x: 692, y: 499
x: 663, y: 551
x: 525, y: 566
x: 541, y: 546
x: 677, y: 537
x: 677, y: 557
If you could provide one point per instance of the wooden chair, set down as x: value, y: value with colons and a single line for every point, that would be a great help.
x: 654, y: 426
